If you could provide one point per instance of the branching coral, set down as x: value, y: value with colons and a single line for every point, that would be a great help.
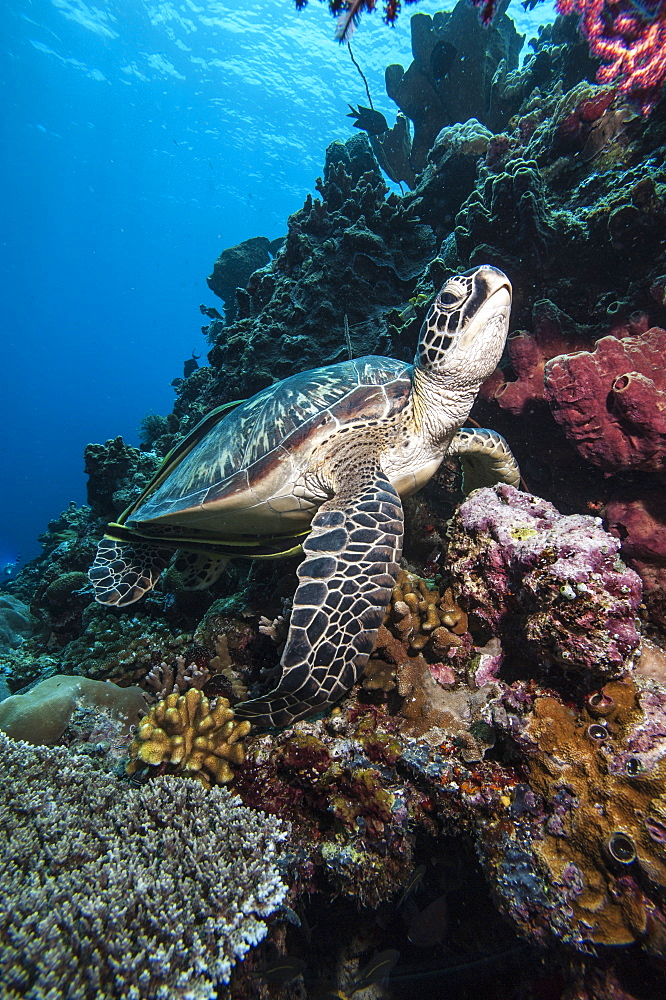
x: 110, y: 891
x: 191, y: 738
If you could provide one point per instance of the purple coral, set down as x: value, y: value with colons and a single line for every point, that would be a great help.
x: 548, y: 585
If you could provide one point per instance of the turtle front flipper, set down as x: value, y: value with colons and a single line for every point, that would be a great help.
x: 345, y: 583
x: 485, y: 458
x: 122, y: 572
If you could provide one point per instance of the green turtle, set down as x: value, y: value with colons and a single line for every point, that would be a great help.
x: 321, y: 460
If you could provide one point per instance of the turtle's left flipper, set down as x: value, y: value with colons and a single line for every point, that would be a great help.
x: 124, y: 572
x: 345, y: 582
x: 485, y: 458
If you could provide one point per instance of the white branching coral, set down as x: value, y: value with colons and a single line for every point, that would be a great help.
x: 113, y: 891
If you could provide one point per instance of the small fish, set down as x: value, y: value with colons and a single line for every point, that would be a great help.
x: 377, y: 970
x: 429, y: 927
x: 414, y: 880
x: 281, y: 971
x: 348, y: 20
x: 373, y: 122
x: 191, y: 365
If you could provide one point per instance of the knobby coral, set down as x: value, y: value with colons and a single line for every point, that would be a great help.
x: 198, y: 741
x: 111, y: 891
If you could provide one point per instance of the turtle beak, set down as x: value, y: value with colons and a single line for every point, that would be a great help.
x: 491, y: 280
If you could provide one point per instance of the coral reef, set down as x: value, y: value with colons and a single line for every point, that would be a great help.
x: 422, y: 616
x: 511, y: 706
x: 552, y: 587
x: 189, y: 737
x: 42, y: 715
x: 591, y: 823
x: 455, y: 61
x: 355, y: 251
x: 133, y: 892
x: 630, y: 39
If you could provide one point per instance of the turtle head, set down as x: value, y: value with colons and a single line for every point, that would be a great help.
x: 463, y: 335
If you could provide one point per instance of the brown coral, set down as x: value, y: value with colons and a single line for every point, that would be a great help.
x: 191, y: 738
x: 603, y: 775
x: 421, y: 616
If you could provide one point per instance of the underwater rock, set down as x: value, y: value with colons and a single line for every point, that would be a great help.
x: 42, y: 715
x: 552, y: 588
x: 162, y: 888
x: 582, y: 856
x: 611, y: 402
x: 233, y: 268
x: 16, y: 622
x: 455, y: 60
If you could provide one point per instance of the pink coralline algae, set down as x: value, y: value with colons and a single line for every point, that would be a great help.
x: 629, y: 36
x: 551, y: 587
x: 611, y: 402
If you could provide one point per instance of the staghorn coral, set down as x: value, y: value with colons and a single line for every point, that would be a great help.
x: 590, y: 833
x: 110, y: 891
x: 551, y: 587
x: 191, y: 738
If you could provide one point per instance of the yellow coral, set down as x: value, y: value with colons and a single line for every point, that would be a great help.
x: 182, y: 731
x: 422, y: 616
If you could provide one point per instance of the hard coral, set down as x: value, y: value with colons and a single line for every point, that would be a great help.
x: 590, y: 832
x: 42, y: 714
x: 184, y: 733
x: 421, y: 616
x: 115, y: 891
x: 551, y: 587
x: 611, y: 402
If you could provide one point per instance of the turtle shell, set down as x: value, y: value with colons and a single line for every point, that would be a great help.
x: 239, y: 474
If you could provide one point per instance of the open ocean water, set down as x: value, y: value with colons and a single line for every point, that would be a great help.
x: 139, y: 140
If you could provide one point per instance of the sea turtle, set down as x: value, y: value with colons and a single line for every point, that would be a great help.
x: 322, y: 458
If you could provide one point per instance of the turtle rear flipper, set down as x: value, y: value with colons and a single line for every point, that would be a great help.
x: 345, y: 581
x: 485, y: 458
x: 198, y: 570
x: 122, y: 572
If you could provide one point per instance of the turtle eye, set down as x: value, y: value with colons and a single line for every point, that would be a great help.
x: 448, y: 298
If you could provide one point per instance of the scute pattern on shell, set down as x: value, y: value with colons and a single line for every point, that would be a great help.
x: 281, y: 417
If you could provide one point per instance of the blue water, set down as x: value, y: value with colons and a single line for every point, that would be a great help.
x: 139, y: 140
